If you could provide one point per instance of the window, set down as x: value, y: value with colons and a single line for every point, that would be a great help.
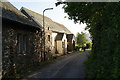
x: 21, y: 43
x: 48, y: 37
x: 63, y: 44
x: 24, y: 43
x: 18, y: 43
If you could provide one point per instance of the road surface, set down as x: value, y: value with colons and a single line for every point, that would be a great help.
x: 68, y: 67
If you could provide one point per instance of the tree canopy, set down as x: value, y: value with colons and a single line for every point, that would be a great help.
x: 103, y: 22
x: 81, y: 38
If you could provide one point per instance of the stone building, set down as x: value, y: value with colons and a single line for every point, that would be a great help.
x: 23, y: 39
x: 20, y: 37
x: 53, y: 31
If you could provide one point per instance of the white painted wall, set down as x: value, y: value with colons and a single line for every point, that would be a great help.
x: 53, y: 42
x: 53, y: 38
x: 65, y: 38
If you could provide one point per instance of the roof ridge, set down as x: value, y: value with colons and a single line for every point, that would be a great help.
x: 36, y: 13
x: 53, y: 25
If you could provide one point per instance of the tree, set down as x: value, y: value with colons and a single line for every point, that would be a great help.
x: 103, y: 21
x: 81, y: 38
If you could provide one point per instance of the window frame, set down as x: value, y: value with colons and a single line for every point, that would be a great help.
x: 21, y: 43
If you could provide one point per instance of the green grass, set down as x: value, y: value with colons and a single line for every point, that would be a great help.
x: 82, y: 50
x: 88, y: 49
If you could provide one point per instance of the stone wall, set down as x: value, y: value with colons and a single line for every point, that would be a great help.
x: 14, y: 63
x: 48, y: 43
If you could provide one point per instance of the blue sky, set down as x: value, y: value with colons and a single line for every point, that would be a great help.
x: 57, y: 14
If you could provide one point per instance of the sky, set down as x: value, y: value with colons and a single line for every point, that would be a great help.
x: 57, y: 14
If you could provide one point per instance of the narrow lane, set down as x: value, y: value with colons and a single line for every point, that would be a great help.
x: 69, y: 67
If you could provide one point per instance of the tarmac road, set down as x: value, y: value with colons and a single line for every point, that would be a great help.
x: 68, y: 67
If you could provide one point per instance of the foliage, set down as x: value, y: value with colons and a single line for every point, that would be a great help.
x: 103, y: 21
x: 81, y: 38
x: 89, y: 44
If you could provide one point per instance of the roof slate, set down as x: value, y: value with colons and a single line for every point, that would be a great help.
x: 12, y: 13
x: 59, y: 36
x: 70, y: 36
x: 54, y: 26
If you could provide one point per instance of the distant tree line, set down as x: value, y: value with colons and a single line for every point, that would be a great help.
x: 81, y: 38
x: 82, y: 43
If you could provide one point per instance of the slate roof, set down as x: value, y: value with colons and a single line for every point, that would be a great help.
x: 12, y: 13
x: 59, y: 36
x: 54, y: 26
x: 70, y: 36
